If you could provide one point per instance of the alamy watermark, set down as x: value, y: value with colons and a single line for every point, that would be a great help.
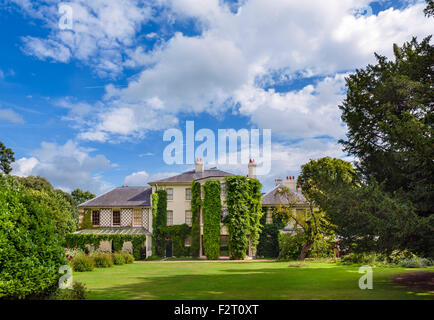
x: 66, y: 20
x: 65, y: 281
x: 234, y: 147
x: 366, y: 281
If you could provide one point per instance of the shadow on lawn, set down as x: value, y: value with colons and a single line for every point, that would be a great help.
x: 263, y: 284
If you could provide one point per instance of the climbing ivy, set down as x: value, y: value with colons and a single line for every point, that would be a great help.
x: 160, y: 222
x: 77, y: 240
x: 268, y: 245
x: 196, y: 203
x: 178, y: 233
x: 243, y: 221
x: 212, y: 208
x: 154, y: 221
x: 86, y: 223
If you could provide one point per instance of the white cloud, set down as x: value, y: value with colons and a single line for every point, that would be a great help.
x: 136, y: 179
x: 11, y: 116
x: 67, y: 166
x: 101, y: 32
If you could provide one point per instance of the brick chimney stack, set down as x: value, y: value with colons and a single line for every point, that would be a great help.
x: 252, y: 169
x: 199, y: 166
x: 291, y: 183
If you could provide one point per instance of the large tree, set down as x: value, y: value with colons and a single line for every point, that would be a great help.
x: 6, y: 158
x: 81, y: 196
x: 388, y: 111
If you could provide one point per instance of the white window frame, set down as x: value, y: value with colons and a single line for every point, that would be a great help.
x: 167, y: 217
x: 171, y: 194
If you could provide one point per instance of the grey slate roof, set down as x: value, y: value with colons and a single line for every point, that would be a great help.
x: 274, y: 198
x: 115, y: 230
x: 191, y: 175
x: 122, y: 197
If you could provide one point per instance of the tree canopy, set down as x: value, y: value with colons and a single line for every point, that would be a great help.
x: 81, y: 196
x: 6, y: 158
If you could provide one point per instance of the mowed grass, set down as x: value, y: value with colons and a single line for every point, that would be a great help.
x: 242, y: 280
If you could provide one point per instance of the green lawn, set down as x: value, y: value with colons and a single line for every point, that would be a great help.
x: 242, y: 280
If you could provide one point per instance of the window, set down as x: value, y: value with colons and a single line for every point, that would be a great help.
x: 223, y: 188
x: 169, y: 194
x: 169, y: 218
x: 225, y: 212
x: 116, y: 218
x: 188, y: 218
x: 95, y: 218
x: 269, y: 218
x: 188, y: 194
x: 137, y: 221
x: 187, y: 242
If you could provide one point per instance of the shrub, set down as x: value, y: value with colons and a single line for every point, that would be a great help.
x: 359, y: 258
x: 118, y: 258
x: 72, y: 253
x: 290, y: 246
x: 102, y: 259
x: 82, y: 263
x: 78, y: 292
x: 416, y: 262
x: 212, y: 211
x: 128, y: 257
x: 31, y: 250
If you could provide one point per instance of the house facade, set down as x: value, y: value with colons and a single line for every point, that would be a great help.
x: 127, y: 210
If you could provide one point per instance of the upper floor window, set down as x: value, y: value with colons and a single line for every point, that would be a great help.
x: 95, y: 217
x: 169, y: 193
x: 116, y: 218
x: 187, y: 242
x: 188, y: 194
x: 225, y: 212
x: 137, y: 220
x: 188, y: 218
x: 223, y: 188
x: 169, y: 218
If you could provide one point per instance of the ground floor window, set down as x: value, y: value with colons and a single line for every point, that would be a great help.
x: 224, y: 246
x: 169, y: 218
x: 137, y: 217
x: 95, y: 217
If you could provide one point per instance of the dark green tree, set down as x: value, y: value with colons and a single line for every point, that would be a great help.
x: 196, y: 204
x: 388, y: 111
x: 6, y: 158
x: 81, y: 196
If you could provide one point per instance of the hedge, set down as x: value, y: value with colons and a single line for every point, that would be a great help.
x: 212, y: 210
x: 268, y: 245
x: 196, y: 203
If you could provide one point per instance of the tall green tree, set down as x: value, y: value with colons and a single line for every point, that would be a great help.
x: 6, y: 158
x: 388, y: 111
x: 212, y: 213
x: 81, y: 196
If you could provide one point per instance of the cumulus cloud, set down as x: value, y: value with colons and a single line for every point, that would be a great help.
x: 67, y: 166
x: 11, y: 116
x: 136, y: 179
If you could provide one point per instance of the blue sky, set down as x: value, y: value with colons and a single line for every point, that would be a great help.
x: 87, y: 107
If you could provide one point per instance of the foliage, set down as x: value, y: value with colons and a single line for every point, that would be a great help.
x: 154, y: 220
x: 77, y: 240
x: 212, y: 210
x: 31, y: 250
x: 291, y: 245
x: 238, y: 220
x: 196, y: 203
x: 102, y: 259
x: 362, y: 258
x: 160, y: 222
x: 178, y: 233
x: 388, y: 111
x: 255, y: 212
x: 86, y: 223
x: 118, y: 258
x: 82, y: 262
x: 81, y: 196
x: 128, y: 258
x: 429, y: 10
x: 416, y: 263
x: 78, y: 292
x: 70, y: 254
x: 268, y: 245
x: 6, y: 158
x: 61, y: 205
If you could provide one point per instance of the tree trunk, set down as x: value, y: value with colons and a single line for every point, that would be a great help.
x: 305, y: 250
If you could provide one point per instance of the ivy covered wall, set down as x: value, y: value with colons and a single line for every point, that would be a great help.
x: 196, y: 203
x: 160, y: 223
x: 268, y: 245
x: 212, y: 209
x: 243, y: 221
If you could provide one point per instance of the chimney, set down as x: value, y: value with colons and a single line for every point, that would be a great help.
x: 252, y: 169
x: 199, y: 167
x: 291, y: 183
x: 278, y: 181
